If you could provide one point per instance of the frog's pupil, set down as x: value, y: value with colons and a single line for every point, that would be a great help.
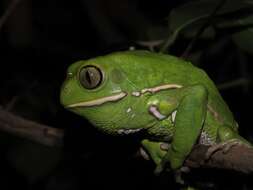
x: 88, y: 77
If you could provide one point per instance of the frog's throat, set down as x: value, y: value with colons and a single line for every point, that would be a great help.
x: 99, y: 101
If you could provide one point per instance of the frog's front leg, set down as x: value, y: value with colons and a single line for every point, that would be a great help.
x: 191, y: 113
x: 156, y: 151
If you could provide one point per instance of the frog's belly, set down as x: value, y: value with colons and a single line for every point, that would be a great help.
x: 163, y: 136
x: 163, y: 131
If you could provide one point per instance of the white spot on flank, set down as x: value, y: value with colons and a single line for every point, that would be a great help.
x: 129, y: 110
x: 136, y: 94
x: 173, y: 115
x: 116, y: 90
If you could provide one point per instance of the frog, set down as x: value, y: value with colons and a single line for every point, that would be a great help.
x: 173, y: 104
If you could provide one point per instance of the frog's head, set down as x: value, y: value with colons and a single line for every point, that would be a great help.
x: 97, y: 90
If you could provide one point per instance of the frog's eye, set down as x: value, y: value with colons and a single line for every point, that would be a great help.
x: 90, y: 77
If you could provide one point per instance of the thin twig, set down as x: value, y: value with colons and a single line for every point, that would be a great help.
x: 12, y: 103
x: 234, y: 83
x: 173, y: 37
x: 202, y: 29
x: 13, y: 5
x: 31, y: 130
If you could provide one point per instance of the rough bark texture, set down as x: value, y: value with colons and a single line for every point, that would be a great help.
x: 238, y: 158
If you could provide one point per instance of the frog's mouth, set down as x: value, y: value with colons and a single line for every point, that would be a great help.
x: 98, y: 101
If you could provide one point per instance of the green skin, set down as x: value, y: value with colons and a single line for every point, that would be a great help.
x: 168, y: 99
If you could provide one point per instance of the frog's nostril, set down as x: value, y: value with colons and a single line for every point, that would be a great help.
x: 69, y: 74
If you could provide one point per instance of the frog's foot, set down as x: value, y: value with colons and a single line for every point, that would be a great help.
x: 185, y: 169
x: 165, y: 166
x: 224, y: 146
x: 178, y: 174
x: 178, y: 177
x: 161, y: 166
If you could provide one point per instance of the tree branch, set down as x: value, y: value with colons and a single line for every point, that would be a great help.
x: 31, y: 130
x: 202, y: 28
x: 238, y: 158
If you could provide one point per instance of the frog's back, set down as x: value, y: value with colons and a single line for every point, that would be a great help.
x: 163, y: 69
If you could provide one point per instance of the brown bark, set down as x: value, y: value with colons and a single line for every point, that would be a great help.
x: 31, y: 130
x: 238, y: 158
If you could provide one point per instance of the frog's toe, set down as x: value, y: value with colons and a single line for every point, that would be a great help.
x: 224, y: 146
x: 185, y: 169
x: 159, y: 169
x: 229, y: 144
x: 162, y: 166
x: 178, y: 177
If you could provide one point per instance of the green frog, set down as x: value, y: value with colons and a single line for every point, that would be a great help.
x: 164, y: 97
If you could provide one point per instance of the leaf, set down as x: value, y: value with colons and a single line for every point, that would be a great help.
x: 191, y: 16
x: 244, y: 39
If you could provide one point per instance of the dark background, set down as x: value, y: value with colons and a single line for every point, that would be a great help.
x: 40, y: 39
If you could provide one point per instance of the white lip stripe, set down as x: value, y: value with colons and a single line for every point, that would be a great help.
x: 99, y: 101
